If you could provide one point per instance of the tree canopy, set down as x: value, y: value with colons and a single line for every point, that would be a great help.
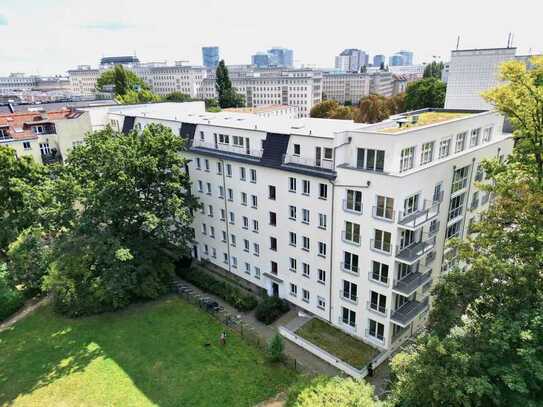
x: 375, y: 108
x: 433, y: 70
x: 227, y: 94
x: 425, y: 93
x: 177, y: 97
x: 330, y: 109
x: 127, y: 87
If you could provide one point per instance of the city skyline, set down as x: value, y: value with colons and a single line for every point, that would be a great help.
x: 90, y: 31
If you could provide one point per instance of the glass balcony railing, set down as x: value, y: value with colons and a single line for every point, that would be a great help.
x: 404, y: 315
x: 410, y: 283
x: 227, y: 149
x: 417, y: 218
x: 415, y: 251
x: 307, y: 162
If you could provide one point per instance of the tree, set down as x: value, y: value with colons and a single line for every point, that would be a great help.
x: 177, y: 97
x: 425, y: 93
x: 486, y: 325
x: 21, y: 194
x: 331, y: 109
x: 134, y: 198
x: 127, y: 87
x: 227, y: 94
x: 433, y: 70
x: 135, y: 97
x: 29, y: 258
x: 10, y: 298
x: 372, y: 109
x: 334, y: 392
x: 276, y: 348
x: 396, y: 103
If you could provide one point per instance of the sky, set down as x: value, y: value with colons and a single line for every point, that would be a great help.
x: 52, y: 36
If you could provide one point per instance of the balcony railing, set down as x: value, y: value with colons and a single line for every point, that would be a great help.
x: 409, y: 284
x: 409, y: 311
x: 416, y: 219
x: 415, y: 251
x: 353, y: 209
x: 227, y: 148
x: 350, y: 298
x: 351, y: 269
x: 346, y: 239
x: 307, y: 162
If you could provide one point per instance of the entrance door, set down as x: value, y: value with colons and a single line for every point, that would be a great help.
x: 275, y: 289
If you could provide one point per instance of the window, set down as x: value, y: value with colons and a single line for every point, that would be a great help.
x: 354, y: 201
x: 206, y: 164
x: 407, y: 159
x: 224, y: 138
x: 233, y: 239
x: 254, y: 201
x: 253, y: 175
x: 198, y: 163
x: 322, y: 221
x: 206, y: 249
x: 348, y: 317
x: 305, y: 295
x: 210, y: 210
x: 293, y: 264
x: 306, y: 187
x: 230, y: 194
x: 460, y: 142
x: 385, y: 207
x: 246, y: 245
x: 460, y: 179
x: 245, y: 222
x: 273, y: 244
x: 208, y: 185
x: 474, y: 200
x: 411, y: 205
x: 292, y: 184
x: 456, y: 207
x: 212, y: 232
x: 479, y: 173
x: 352, y: 232
x: 26, y: 145
x: 305, y: 243
x: 221, y: 192
x: 350, y: 262
x: 273, y: 219
x: 297, y: 149
x: 322, y: 249
x: 200, y: 186
x: 321, y: 303
x: 328, y: 153
x: 255, y: 226
x: 228, y: 170
x: 379, y: 272
x: 257, y: 273
x: 377, y: 330
x: 475, y: 137
x: 454, y: 230
x: 305, y: 216
x: 293, y: 290
x: 372, y: 160
x: 321, y: 276
x: 223, y: 215
x: 378, y: 302
x: 224, y: 236
x: 444, y: 147
x: 247, y: 268
x: 323, y: 191
x: 244, y: 198
x: 382, y: 241
x: 214, y: 253
x: 487, y: 134
x: 219, y: 168
x: 204, y: 229
x: 305, y: 270
x: 256, y: 249
x: 273, y: 267
x: 271, y: 192
x: 232, y: 218
x: 427, y: 154
x: 438, y: 193
x: 242, y: 173
x: 237, y: 141
x: 292, y: 239
x: 350, y: 291
x: 292, y: 212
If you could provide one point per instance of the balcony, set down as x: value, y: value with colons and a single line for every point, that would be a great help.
x: 227, y: 149
x: 409, y: 284
x: 51, y: 158
x: 350, y: 298
x: 418, y: 218
x: 296, y: 160
x: 404, y: 315
x: 349, y: 238
x: 415, y: 251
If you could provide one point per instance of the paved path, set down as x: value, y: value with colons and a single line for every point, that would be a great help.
x: 310, y: 362
x: 28, y: 308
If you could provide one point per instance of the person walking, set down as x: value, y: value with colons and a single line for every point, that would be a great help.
x: 223, y: 338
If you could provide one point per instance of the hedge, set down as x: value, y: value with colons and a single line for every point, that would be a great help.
x: 11, y: 300
x: 228, y: 292
x: 270, y: 309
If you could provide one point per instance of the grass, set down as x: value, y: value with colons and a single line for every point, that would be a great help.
x: 150, y: 354
x: 426, y: 119
x: 345, y: 347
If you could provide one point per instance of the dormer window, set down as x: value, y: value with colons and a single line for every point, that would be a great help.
x: 38, y: 129
x: 4, y: 135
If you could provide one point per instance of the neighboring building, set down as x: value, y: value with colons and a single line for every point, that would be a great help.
x: 378, y: 60
x: 282, y: 57
x: 346, y: 221
x: 261, y: 59
x: 382, y: 83
x: 445, y: 72
x: 270, y: 111
x: 396, y: 59
x: 471, y: 72
x: 345, y: 87
x: 399, y: 84
x: 411, y: 72
x: 22, y: 85
x: 210, y: 57
x: 351, y: 60
x: 407, y: 57
x: 128, y: 61
x: 48, y: 137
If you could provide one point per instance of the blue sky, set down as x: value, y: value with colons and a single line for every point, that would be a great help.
x: 51, y: 36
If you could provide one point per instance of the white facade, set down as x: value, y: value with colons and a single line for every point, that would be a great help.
x: 345, y: 220
x: 346, y: 87
x: 382, y: 83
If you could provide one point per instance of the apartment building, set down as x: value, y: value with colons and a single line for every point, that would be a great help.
x: 347, y: 221
x: 345, y: 87
x: 382, y: 83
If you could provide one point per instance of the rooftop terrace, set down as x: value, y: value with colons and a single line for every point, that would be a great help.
x: 412, y: 121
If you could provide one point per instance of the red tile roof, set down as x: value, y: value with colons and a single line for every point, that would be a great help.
x: 19, y: 125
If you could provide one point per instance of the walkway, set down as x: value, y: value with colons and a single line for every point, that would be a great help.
x: 29, y: 307
x: 310, y: 362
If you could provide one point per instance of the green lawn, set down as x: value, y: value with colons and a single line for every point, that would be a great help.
x: 345, y: 347
x: 150, y: 354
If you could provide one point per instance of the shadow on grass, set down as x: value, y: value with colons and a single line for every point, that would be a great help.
x: 167, y: 350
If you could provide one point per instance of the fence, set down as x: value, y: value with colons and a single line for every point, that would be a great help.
x: 234, y: 322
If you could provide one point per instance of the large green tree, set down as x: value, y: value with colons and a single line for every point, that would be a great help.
x: 428, y: 92
x: 177, y: 97
x: 433, y: 70
x: 127, y: 87
x: 133, y: 203
x: 227, y: 94
x: 485, y: 341
x: 331, y: 109
x: 372, y: 109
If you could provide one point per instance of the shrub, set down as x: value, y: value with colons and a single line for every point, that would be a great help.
x: 228, y: 292
x: 276, y: 348
x: 270, y: 309
x: 11, y: 299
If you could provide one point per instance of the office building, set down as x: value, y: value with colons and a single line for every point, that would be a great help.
x: 396, y: 59
x: 379, y: 60
x: 261, y: 59
x: 407, y: 57
x: 351, y: 60
x: 210, y: 57
x: 346, y: 221
x: 345, y: 87
x: 282, y: 57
